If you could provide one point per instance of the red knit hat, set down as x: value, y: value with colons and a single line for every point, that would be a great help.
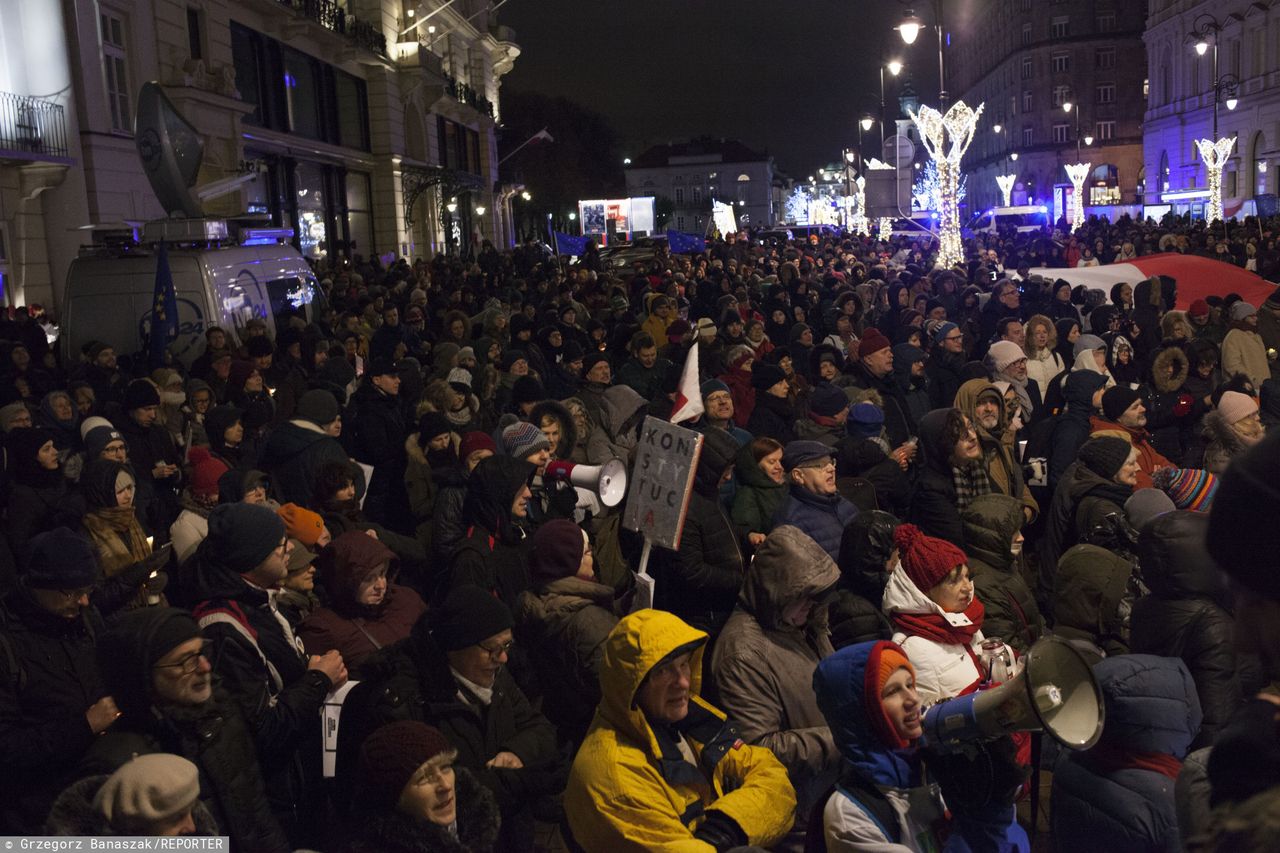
x: 205, y: 471
x: 1199, y: 308
x: 473, y: 441
x: 872, y: 341
x: 926, y: 560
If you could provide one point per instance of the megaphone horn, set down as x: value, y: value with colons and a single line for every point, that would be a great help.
x: 609, y: 480
x: 1056, y: 692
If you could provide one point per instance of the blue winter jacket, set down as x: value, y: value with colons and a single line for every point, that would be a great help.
x: 840, y: 684
x: 1151, y: 707
x: 822, y: 517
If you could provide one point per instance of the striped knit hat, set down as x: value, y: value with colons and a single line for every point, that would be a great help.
x: 1188, y: 488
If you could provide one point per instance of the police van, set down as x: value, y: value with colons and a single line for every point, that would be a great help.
x: 111, y: 289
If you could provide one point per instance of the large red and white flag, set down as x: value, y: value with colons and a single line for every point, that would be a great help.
x: 688, y: 402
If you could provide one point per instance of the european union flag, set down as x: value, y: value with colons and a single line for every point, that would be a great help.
x: 164, y: 310
x: 567, y: 244
x: 685, y: 244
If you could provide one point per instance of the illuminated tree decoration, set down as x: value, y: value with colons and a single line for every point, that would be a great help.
x: 1006, y: 183
x: 858, y: 223
x: 1215, y: 156
x: 946, y: 138
x: 926, y: 195
x: 1077, y: 172
x: 886, y: 227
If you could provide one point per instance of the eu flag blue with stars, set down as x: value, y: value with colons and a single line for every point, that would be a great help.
x: 685, y: 244
x: 164, y: 310
x: 567, y: 244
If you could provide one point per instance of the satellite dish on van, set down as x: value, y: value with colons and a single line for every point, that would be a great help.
x: 171, y: 151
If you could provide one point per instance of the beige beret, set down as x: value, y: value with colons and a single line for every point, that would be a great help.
x: 149, y: 788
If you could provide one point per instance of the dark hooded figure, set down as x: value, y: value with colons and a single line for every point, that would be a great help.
x: 1072, y: 428
x: 993, y: 543
x: 493, y: 554
x: 867, y: 556
x: 933, y: 502
x: 700, y: 582
x: 1187, y: 614
x: 39, y: 500
x: 367, y: 610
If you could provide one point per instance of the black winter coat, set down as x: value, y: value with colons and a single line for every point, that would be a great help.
x: 478, y: 823
x: 700, y: 582
x: 898, y: 424
x: 284, y: 715
x: 48, y: 679
x: 772, y: 416
x: 493, y: 552
x: 35, y: 510
x: 411, y: 681
x: 1185, y: 617
x: 379, y: 441
x: 294, y: 455
x: 147, y: 448
x: 216, y: 738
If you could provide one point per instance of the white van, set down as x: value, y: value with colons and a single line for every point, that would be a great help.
x: 109, y: 294
x: 1025, y: 219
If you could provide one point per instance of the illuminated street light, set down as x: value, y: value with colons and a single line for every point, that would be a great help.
x: 895, y: 67
x: 909, y: 28
x: 572, y: 216
x: 1202, y: 47
x: 997, y: 128
x: 525, y: 195
x: 480, y: 210
x: 867, y: 121
x: 626, y: 161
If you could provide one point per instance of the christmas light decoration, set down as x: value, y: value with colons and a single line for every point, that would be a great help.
x: 926, y: 192
x: 1006, y: 183
x: 858, y: 223
x: 946, y: 138
x: 886, y: 227
x: 1215, y: 156
x: 1077, y: 172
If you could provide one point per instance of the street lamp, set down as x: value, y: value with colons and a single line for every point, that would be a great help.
x: 997, y: 128
x: 1205, y: 31
x: 1066, y: 108
x: 895, y: 68
x: 480, y: 210
x: 452, y: 206
x: 909, y: 28
x: 525, y: 195
x: 626, y: 161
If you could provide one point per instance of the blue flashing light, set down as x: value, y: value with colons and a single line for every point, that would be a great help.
x: 1044, y: 209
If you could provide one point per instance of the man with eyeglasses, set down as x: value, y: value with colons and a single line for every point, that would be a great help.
x: 661, y: 768
x: 1005, y: 301
x: 160, y: 667
x: 452, y: 674
x: 945, y: 365
x: 52, y: 703
x: 812, y: 503
x: 236, y: 572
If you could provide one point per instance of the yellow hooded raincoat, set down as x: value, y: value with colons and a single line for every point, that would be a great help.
x: 624, y: 794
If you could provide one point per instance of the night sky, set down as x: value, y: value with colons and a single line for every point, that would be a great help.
x: 789, y: 76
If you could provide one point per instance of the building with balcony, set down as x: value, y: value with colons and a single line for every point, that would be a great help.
x: 1025, y: 59
x: 370, y: 123
x: 695, y: 173
x: 1181, y: 107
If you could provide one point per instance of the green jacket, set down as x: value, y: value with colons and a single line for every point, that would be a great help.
x: 990, y: 523
x: 757, y: 497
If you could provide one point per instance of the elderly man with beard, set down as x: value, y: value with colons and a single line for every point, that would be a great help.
x: 1125, y: 416
x: 1007, y: 361
x: 156, y: 664
x: 982, y: 403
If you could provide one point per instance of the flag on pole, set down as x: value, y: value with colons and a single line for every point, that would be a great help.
x: 685, y: 244
x: 688, y: 402
x: 567, y: 244
x: 164, y: 310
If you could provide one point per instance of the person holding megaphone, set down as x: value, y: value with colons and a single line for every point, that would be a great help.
x: 887, y: 799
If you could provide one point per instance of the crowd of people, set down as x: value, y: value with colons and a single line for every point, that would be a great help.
x: 907, y: 476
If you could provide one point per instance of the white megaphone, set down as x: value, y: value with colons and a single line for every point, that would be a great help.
x: 609, y: 480
x: 1056, y: 692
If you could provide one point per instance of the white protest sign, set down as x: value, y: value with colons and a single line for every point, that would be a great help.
x: 660, y: 482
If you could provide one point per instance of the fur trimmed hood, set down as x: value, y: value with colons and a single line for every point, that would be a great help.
x: 1171, y: 357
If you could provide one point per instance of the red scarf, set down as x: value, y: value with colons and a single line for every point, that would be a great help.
x: 933, y: 626
x: 1107, y: 758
